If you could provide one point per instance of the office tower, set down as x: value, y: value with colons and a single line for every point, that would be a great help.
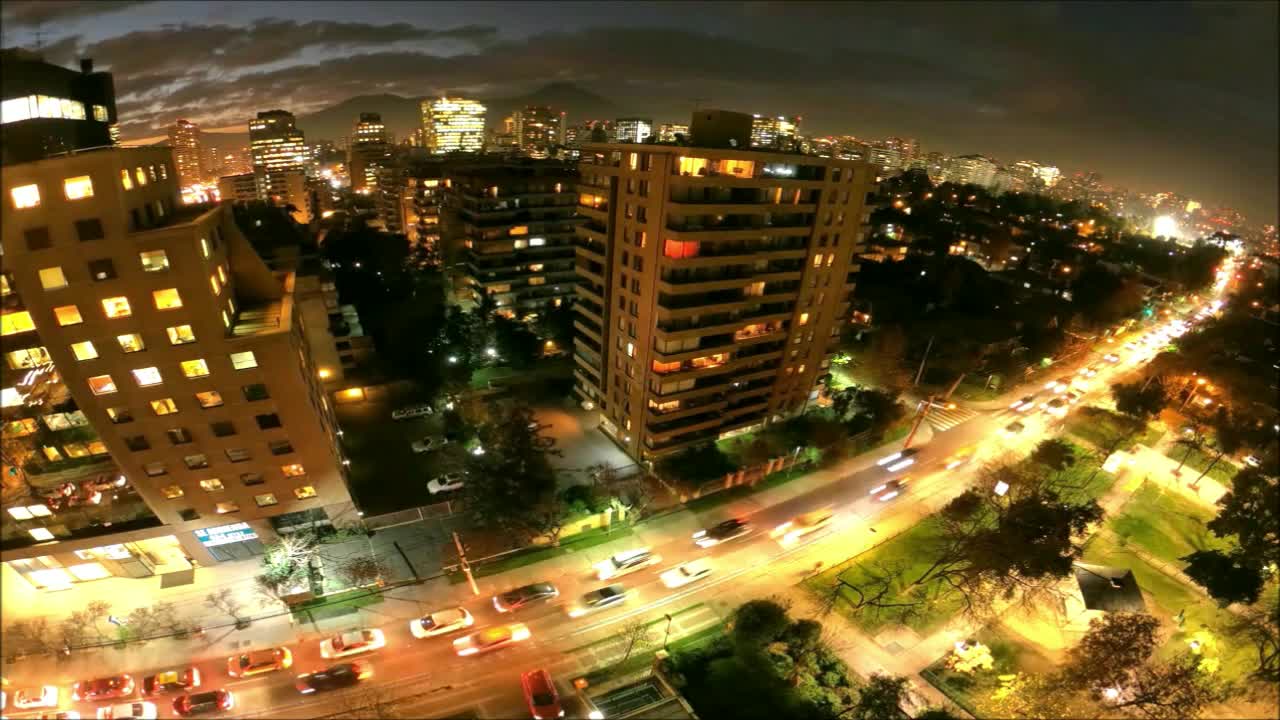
x: 453, y: 125
x: 160, y: 373
x: 184, y: 137
x: 48, y: 109
x: 774, y: 133
x: 713, y: 283
x: 538, y: 129
x: 884, y: 157
x: 516, y: 222
x: 667, y: 132
x: 240, y: 188
x: 970, y: 169
x: 367, y: 152
x: 634, y: 130
x: 280, y: 157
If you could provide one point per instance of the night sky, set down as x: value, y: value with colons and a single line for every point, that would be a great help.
x: 1154, y: 96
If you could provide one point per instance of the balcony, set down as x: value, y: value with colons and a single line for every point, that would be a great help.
x: 718, y: 281
x: 688, y: 439
x: 710, y: 403
x: 714, y: 325
x: 598, y: 212
x: 681, y: 306
x: 591, y: 249
x: 588, y: 331
x: 667, y: 430
x: 590, y: 310
x: 593, y: 292
x: 592, y: 231
x: 704, y: 222
x: 701, y: 198
x: 720, y: 368
x: 585, y: 380
x: 591, y: 271
x: 722, y: 343
x: 588, y: 361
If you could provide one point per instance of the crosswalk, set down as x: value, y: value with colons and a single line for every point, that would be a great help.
x: 943, y: 419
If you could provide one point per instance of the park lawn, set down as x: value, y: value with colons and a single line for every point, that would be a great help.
x: 1166, y: 524
x: 336, y: 605
x: 1103, y: 428
x: 1166, y: 597
x: 574, y: 543
x: 1084, y: 481
x: 1224, y: 472
x: 1011, y: 654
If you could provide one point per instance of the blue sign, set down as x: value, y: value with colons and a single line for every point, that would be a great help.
x: 223, y: 534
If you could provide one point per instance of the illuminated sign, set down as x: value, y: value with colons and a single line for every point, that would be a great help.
x: 223, y: 534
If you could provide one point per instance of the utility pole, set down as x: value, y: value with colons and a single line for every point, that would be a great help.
x: 923, y: 360
x: 466, y: 566
x: 928, y: 405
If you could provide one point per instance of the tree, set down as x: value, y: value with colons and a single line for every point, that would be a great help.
x: 1229, y: 436
x: 635, y: 634
x: 363, y: 570
x: 1140, y: 401
x: 885, y: 361
x: 1249, y: 513
x: 515, y: 343
x: 1171, y: 690
x: 1260, y: 627
x: 226, y: 602
x: 1228, y: 577
x: 1114, y: 648
x: 757, y: 623
x: 880, y: 698
x: 27, y: 636
x: 1053, y: 454
x: 512, y: 474
x: 94, y: 614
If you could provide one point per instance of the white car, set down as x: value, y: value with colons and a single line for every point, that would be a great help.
x: 625, y: 563
x: 1025, y: 404
x: 356, y: 642
x: 38, y: 697
x: 689, y: 572
x: 1089, y: 371
x: 427, y: 444
x: 441, y: 622
x: 1111, y: 358
x: 447, y: 482
x: 128, y: 711
x: 899, y: 460
x: 412, y: 411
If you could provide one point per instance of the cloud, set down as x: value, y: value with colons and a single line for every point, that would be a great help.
x: 23, y: 13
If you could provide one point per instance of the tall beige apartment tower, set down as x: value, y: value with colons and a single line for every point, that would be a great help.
x: 157, y: 375
x: 713, y: 282
x: 184, y: 136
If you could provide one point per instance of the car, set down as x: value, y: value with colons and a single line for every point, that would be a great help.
x: 204, y: 703
x: 491, y: 639
x: 1252, y: 461
x: 428, y: 444
x: 731, y: 529
x: 34, y: 698
x: 599, y: 599
x: 128, y: 711
x: 889, y: 490
x: 540, y: 694
x: 1072, y: 397
x: 355, y: 642
x: 626, y: 562
x: 523, y: 596
x: 333, y: 677
x: 961, y: 457
x: 171, y: 681
x: 1056, y: 407
x: 1130, y: 346
x: 1013, y: 428
x: 441, y: 622
x: 411, y: 411
x: 682, y: 575
x: 447, y: 482
x: 1111, y: 358
x: 801, y: 525
x: 106, y: 688
x: 1088, y: 372
x: 899, y: 460
x: 1025, y: 404
x: 257, y: 662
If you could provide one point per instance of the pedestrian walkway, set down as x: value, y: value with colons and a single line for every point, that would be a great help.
x: 943, y: 419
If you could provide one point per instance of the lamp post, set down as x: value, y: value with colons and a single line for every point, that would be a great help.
x: 1200, y: 382
x: 666, y: 634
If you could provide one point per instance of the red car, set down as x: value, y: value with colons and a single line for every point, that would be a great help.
x: 540, y: 693
x: 107, y: 688
x: 204, y: 703
x: 171, y: 681
x: 257, y: 662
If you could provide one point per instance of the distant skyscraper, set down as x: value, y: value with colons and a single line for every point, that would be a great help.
x: 453, y: 125
x: 184, y: 136
x: 279, y: 151
x: 667, y: 131
x: 367, y: 152
x: 538, y: 129
x: 632, y: 129
x: 975, y: 169
x: 774, y: 133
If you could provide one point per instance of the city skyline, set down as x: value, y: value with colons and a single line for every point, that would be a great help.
x: 1025, y: 91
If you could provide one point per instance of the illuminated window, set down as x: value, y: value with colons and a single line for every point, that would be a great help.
x: 125, y: 180
x: 28, y: 358
x: 141, y: 175
x: 68, y: 315
x: 180, y: 335
x: 154, y: 260
x: 536, y: 267
x: 817, y: 260
x: 804, y: 318
x: 194, y: 368
x: 231, y: 305
x: 84, y: 350
x: 151, y: 170
x: 709, y: 361
x: 211, y: 485
x: 164, y: 406
x: 692, y: 166
x: 537, y: 242
x: 215, y: 285
x: 16, y: 322
x: 518, y: 230
x: 222, y: 274
x: 204, y: 248
x: 51, y: 453
x: 755, y: 289
x: 830, y: 259
x: 209, y: 399
x: 102, y: 385
x: 265, y: 499
x: 172, y: 492
x: 631, y: 349
x: 120, y: 415
x: 537, y: 280
x: 518, y: 244
x: 244, y: 360
x: 78, y: 188
x: 661, y: 367
x: 117, y: 307
x: 148, y: 376
x: 25, y: 196
x: 677, y: 249
x: 223, y: 508
x: 293, y: 470
x: 167, y: 299
x: 131, y: 343
x: 226, y: 320
x: 164, y: 171
x: 52, y: 278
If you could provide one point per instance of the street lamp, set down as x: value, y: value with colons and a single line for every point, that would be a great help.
x: 666, y: 634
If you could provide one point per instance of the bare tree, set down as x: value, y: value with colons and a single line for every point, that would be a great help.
x: 94, y: 613
x: 29, y: 636
x: 635, y: 634
x: 364, y: 570
x: 226, y: 602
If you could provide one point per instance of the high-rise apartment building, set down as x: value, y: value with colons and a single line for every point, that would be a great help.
x: 153, y: 361
x: 453, y: 125
x: 632, y: 130
x: 280, y: 157
x: 46, y: 109
x: 969, y: 169
x: 713, y: 284
x: 538, y: 130
x: 240, y: 188
x: 516, y: 222
x: 367, y: 152
x: 420, y: 198
x: 667, y: 132
x: 774, y: 133
x: 184, y: 138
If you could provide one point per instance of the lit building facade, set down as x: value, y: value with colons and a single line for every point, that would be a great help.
x: 538, y: 130
x: 280, y: 157
x: 47, y: 109
x: 713, y: 286
x: 184, y: 138
x: 420, y: 198
x: 632, y: 130
x: 966, y: 169
x: 667, y: 132
x: 453, y: 125
x: 774, y: 133
x: 368, y: 152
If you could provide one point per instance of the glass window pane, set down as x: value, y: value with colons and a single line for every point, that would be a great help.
x: 102, y: 385
x: 167, y: 299
x: 180, y: 335
x: 164, y: 406
x: 210, y: 399
x: 148, y: 376
x: 154, y: 260
x: 195, y: 368
x: 25, y: 196
x: 243, y: 360
x: 117, y: 307
x: 84, y: 350
x: 67, y: 315
x: 52, y: 278
x: 78, y: 188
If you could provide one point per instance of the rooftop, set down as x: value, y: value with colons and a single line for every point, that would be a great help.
x: 1109, y: 589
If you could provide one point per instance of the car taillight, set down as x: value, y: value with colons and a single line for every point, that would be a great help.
x: 365, y: 673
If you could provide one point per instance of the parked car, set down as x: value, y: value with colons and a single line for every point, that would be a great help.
x: 128, y: 711
x: 204, y: 703
x: 491, y: 639
x: 411, y: 411
x: 171, y: 681
x: 722, y: 533
x: 333, y: 677
x: 599, y: 599
x: 525, y: 595
x: 441, y: 622
x: 447, y: 482
x: 428, y: 444
x: 690, y: 572
x: 541, y: 696
x: 33, y: 698
x: 257, y: 662
x: 625, y: 563
x: 106, y: 688
x: 355, y: 642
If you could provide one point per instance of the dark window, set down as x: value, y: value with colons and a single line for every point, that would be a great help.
x: 196, y: 462
x: 102, y: 269
x: 178, y: 436
x: 280, y: 447
x: 267, y: 421
x: 90, y: 229
x: 38, y: 238
x: 257, y: 391
x: 155, y: 469
x: 223, y: 428
x: 120, y: 415
x: 151, y: 215
x: 238, y: 455
x: 135, y: 219
x: 188, y: 514
x: 251, y: 478
x: 137, y: 443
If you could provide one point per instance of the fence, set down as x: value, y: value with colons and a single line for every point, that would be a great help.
x: 438, y: 511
